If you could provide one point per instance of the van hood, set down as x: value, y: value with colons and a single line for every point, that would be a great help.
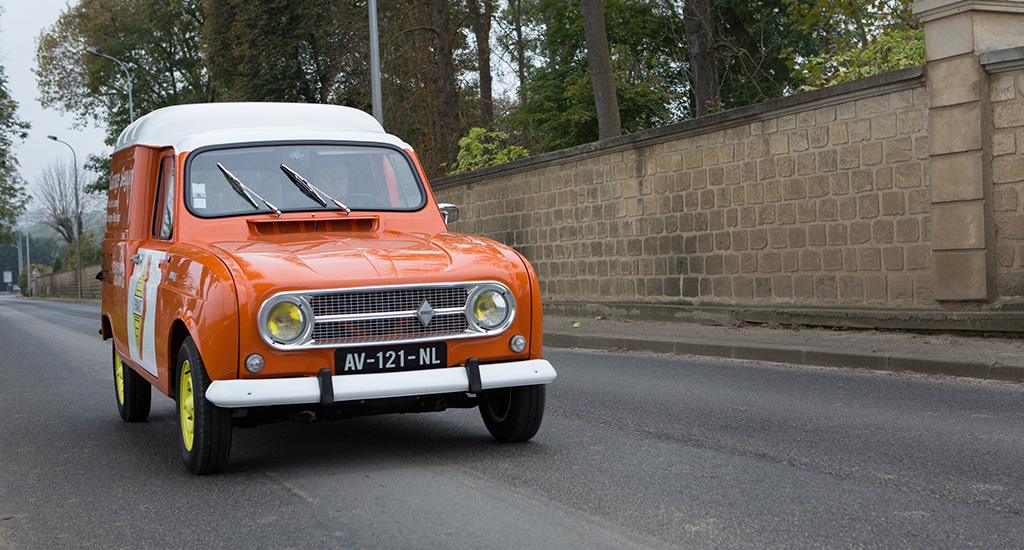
x: 388, y: 257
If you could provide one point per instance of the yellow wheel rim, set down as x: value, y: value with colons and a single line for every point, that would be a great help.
x: 119, y: 378
x: 186, y: 405
x: 499, y: 411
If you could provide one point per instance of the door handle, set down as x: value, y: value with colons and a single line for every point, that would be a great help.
x: 136, y: 259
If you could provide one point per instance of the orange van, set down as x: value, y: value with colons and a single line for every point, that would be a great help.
x: 266, y: 262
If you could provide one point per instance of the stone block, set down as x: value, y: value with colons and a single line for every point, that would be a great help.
x: 955, y: 129
x: 839, y: 134
x: 860, y: 130
x: 874, y: 288
x: 898, y: 150
x: 948, y: 36
x: 883, y: 126
x: 849, y: 157
x: 851, y: 288
x: 1003, y: 143
x: 859, y: 232
x: 871, y: 154
x: 908, y: 176
x: 958, y: 226
x: 961, y: 275
x: 810, y: 260
x: 954, y: 80
x: 798, y: 141
x: 901, y: 287
x: 997, y: 31
x: 1009, y: 226
x: 872, y: 105
x: 956, y: 177
x: 1008, y: 169
x: 832, y: 259
x: 1008, y: 115
x: 1005, y: 198
x: 1001, y: 87
x: 818, y: 136
x: 894, y: 204
x: 918, y: 256
x: 883, y: 231
x: 910, y: 122
x: 892, y: 258
x: 825, y: 287
x: 908, y: 230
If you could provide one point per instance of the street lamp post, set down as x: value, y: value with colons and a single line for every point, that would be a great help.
x: 127, y: 75
x: 78, y: 218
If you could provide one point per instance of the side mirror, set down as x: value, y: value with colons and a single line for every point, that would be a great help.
x: 450, y: 212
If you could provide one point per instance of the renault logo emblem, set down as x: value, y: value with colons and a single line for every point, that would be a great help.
x: 425, y: 313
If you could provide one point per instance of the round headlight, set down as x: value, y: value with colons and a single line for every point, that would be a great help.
x: 490, y: 309
x: 285, y: 322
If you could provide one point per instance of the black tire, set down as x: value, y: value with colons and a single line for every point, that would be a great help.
x: 132, y: 392
x: 204, y: 433
x: 513, y: 414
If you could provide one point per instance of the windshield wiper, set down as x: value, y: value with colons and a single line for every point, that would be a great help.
x: 311, y: 190
x: 244, y: 190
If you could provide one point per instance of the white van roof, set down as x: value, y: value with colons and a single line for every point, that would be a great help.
x: 189, y: 127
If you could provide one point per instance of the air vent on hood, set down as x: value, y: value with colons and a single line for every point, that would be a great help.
x: 340, y: 225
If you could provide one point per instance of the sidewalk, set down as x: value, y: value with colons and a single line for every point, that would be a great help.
x: 994, y: 358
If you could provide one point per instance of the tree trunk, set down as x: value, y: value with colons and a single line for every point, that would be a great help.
x: 517, y: 21
x: 481, y: 22
x: 600, y: 60
x: 697, y: 20
x: 447, y: 124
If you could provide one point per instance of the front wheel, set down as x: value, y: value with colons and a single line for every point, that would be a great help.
x: 513, y: 414
x: 205, y: 434
x: 133, y: 392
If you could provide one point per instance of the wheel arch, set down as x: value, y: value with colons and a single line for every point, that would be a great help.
x: 179, y: 332
x: 106, y: 328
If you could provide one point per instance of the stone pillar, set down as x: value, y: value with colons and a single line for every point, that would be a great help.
x: 957, y: 33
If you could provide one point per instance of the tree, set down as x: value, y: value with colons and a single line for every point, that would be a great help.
x: 62, y: 202
x: 13, y: 197
x: 599, y: 59
x: 647, y: 55
x: 699, y: 20
x: 855, y: 39
x: 275, y: 50
x: 480, y: 16
x: 159, y: 40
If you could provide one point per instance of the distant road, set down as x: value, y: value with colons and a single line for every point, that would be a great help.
x: 636, y: 451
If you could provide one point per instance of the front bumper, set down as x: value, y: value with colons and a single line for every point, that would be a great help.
x: 355, y: 387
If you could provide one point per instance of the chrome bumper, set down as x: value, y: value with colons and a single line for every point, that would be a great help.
x: 354, y: 387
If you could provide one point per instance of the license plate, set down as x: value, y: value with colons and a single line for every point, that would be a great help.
x: 373, y: 359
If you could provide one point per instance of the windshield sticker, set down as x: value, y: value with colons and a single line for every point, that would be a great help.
x: 198, y: 195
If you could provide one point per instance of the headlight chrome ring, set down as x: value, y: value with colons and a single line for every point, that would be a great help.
x: 285, y: 320
x: 490, y: 307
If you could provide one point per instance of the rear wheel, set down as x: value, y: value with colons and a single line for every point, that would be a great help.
x: 205, y: 429
x: 513, y: 414
x: 133, y: 392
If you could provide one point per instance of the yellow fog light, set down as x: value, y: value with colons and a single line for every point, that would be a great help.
x: 285, y: 320
x: 491, y: 307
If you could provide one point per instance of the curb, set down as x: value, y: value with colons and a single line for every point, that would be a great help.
x: 838, y: 358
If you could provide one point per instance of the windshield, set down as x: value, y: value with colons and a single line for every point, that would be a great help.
x: 246, y: 180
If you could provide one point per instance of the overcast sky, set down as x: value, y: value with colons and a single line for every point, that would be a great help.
x: 20, y: 25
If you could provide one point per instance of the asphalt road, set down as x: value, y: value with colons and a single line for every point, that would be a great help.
x: 636, y: 450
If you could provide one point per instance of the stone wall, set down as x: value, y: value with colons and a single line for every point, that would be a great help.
x: 896, y: 200
x: 62, y: 284
x: 818, y: 199
x: 1007, y: 103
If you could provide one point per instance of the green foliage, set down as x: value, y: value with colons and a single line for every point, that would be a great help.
x: 854, y: 39
x: 158, y: 40
x: 645, y: 38
x: 13, y: 197
x: 482, y: 148
x: 888, y: 52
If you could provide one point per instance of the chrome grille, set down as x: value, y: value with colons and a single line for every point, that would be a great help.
x: 387, y: 301
x: 391, y: 314
x: 388, y: 329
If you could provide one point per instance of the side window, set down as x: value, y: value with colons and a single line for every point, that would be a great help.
x: 163, y: 216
